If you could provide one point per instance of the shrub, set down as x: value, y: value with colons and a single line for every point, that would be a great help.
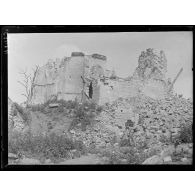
x: 132, y: 150
x: 99, y: 108
x: 131, y: 155
x: 186, y: 134
x: 84, y: 114
x: 51, y: 146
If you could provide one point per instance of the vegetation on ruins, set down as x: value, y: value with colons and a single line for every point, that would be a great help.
x: 51, y: 146
x: 130, y: 129
x: 28, y: 84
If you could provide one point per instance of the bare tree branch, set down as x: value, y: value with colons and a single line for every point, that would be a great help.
x: 22, y: 84
x: 28, y: 83
x: 25, y: 95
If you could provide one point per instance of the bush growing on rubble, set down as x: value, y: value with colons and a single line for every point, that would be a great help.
x: 127, y: 155
x: 84, y: 114
x: 51, y: 146
x: 130, y: 151
x: 186, y: 134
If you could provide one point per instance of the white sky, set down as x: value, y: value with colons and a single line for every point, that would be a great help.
x: 25, y: 51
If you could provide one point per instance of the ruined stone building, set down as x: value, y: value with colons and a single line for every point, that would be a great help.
x: 83, y: 77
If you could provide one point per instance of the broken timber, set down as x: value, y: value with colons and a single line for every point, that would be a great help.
x: 171, y: 87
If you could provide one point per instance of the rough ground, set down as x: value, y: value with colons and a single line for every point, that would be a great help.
x: 128, y: 131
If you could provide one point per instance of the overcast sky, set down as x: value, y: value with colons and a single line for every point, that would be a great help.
x: 25, y: 51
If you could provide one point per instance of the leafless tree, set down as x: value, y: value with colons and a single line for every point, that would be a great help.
x: 28, y: 84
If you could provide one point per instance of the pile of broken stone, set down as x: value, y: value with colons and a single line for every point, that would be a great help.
x: 162, y: 121
x: 157, y: 122
x: 165, y: 116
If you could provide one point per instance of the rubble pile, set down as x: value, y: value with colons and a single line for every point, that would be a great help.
x: 155, y: 123
x: 15, y: 120
x: 151, y: 124
x: 108, y: 127
x: 164, y: 117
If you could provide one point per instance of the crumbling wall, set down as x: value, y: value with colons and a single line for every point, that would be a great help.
x: 149, y: 79
x: 152, y: 64
x: 94, y: 73
x: 72, y: 81
x: 151, y: 73
x: 70, y: 78
x: 48, y: 80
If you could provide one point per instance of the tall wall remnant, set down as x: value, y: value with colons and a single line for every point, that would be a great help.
x: 85, y: 77
x: 152, y: 64
x: 151, y: 73
x: 69, y: 78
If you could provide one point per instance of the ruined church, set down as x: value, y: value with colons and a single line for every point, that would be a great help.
x: 86, y: 77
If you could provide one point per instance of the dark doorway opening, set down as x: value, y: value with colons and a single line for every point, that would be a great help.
x: 90, y: 91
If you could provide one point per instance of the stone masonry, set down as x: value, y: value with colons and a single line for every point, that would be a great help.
x: 80, y: 76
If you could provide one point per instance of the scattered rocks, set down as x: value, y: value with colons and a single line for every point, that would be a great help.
x: 75, y: 153
x: 185, y: 148
x: 154, y: 114
x: 185, y: 160
x: 168, y: 151
x: 15, y: 120
x: 147, y: 119
x: 12, y: 156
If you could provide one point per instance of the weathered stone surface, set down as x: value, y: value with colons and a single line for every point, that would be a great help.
x: 185, y: 160
x: 168, y: 151
x: 167, y: 159
x: 15, y: 120
x: 70, y: 78
x: 150, y: 73
x: 153, y: 160
x: 12, y: 156
x: 152, y: 64
x: 53, y: 105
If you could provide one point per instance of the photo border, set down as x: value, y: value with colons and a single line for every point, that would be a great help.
x: 74, y: 29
